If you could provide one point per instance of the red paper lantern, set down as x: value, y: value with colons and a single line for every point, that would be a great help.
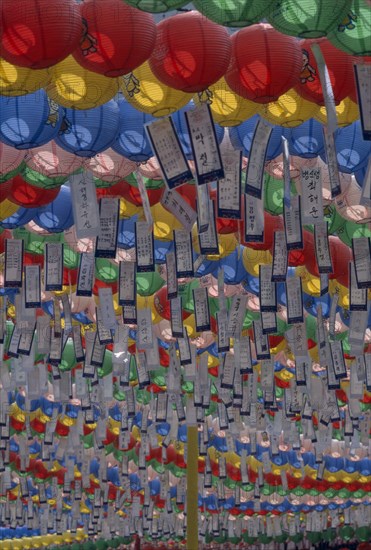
x: 39, y: 33
x: 340, y: 68
x: 191, y: 52
x: 116, y: 39
x: 265, y: 64
x: 30, y: 196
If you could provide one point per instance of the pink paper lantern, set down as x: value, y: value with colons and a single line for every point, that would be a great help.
x: 53, y: 161
x: 110, y: 166
x: 10, y: 158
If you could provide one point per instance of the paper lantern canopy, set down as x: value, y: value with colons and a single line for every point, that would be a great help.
x: 117, y: 38
x: 30, y: 120
x: 90, y: 132
x: 191, y: 52
x: 29, y: 196
x: 39, y: 33
x: 265, y: 64
x: 339, y: 67
x: 307, y: 18
x: 234, y: 13
x: 353, y: 33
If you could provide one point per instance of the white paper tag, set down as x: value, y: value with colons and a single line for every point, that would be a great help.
x: 338, y: 359
x: 106, y: 244
x: 255, y: 167
x: 184, y: 349
x: 171, y: 278
x: 208, y: 239
x: 176, y: 317
x: 205, y: 147
x: 106, y: 307
x: 293, y: 224
x: 84, y: 205
x: 267, y: 289
x: 85, y: 280
x: 294, y: 300
x: 53, y: 266
x: 328, y: 93
x: 144, y: 247
x: 311, y: 196
x: 145, y: 338
x: 269, y: 322
x: 77, y: 344
x: 168, y: 150
x: 362, y: 259
x: 366, y: 189
x: 13, y: 263
x: 144, y: 197
x: 229, y: 187
x: 32, y: 275
x: 236, y: 315
x: 127, y: 283
x: 363, y: 80
x: 280, y: 257
x: 202, y: 313
x: 129, y: 315
x: 183, y: 253
x: 323, y: 255
x: 332, y: 163
x: 176, y: 205
x: 357, y: 296
x: 254, y: 219
x: 261, y: 341
x: 223, y: 339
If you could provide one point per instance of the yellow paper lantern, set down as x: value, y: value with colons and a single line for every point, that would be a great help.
x: 227, y: 107
x: 73, y: 86
x: 289, y: 110
x: 164, y: 223
x: 253, y: 258
x: 347, y: 112
x: 7, y: 209
x: 147, y: 94
x: 21, y: 80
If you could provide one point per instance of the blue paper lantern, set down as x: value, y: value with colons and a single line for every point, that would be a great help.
x: 306, y: 140
x: 29, y: 120
x: 19, y: 218
x: 89, y: 132
x: 352, y: 151
x: 56, y: 216
x: 132, y: 141
x: 242, y: 137
x: 181, y: 127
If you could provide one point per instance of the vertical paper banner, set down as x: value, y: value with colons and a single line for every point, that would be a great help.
x: 363, y: 80
x: 205, y: 146
x: 169, y: 153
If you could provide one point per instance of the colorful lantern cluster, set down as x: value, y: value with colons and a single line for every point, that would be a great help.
x: 185, y: 251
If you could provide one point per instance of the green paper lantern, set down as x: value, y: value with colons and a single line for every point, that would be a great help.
x: 353, y: 33
x: 106, y: 271
x: 70, y: 258
x: 363, y: 533
x: 314, y: 536
x: 346, y: 532
x: 39, y: 180
x: 156, y: 6
x: 234, y: 13
x: 149, y: 283
x: 308, y: 18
